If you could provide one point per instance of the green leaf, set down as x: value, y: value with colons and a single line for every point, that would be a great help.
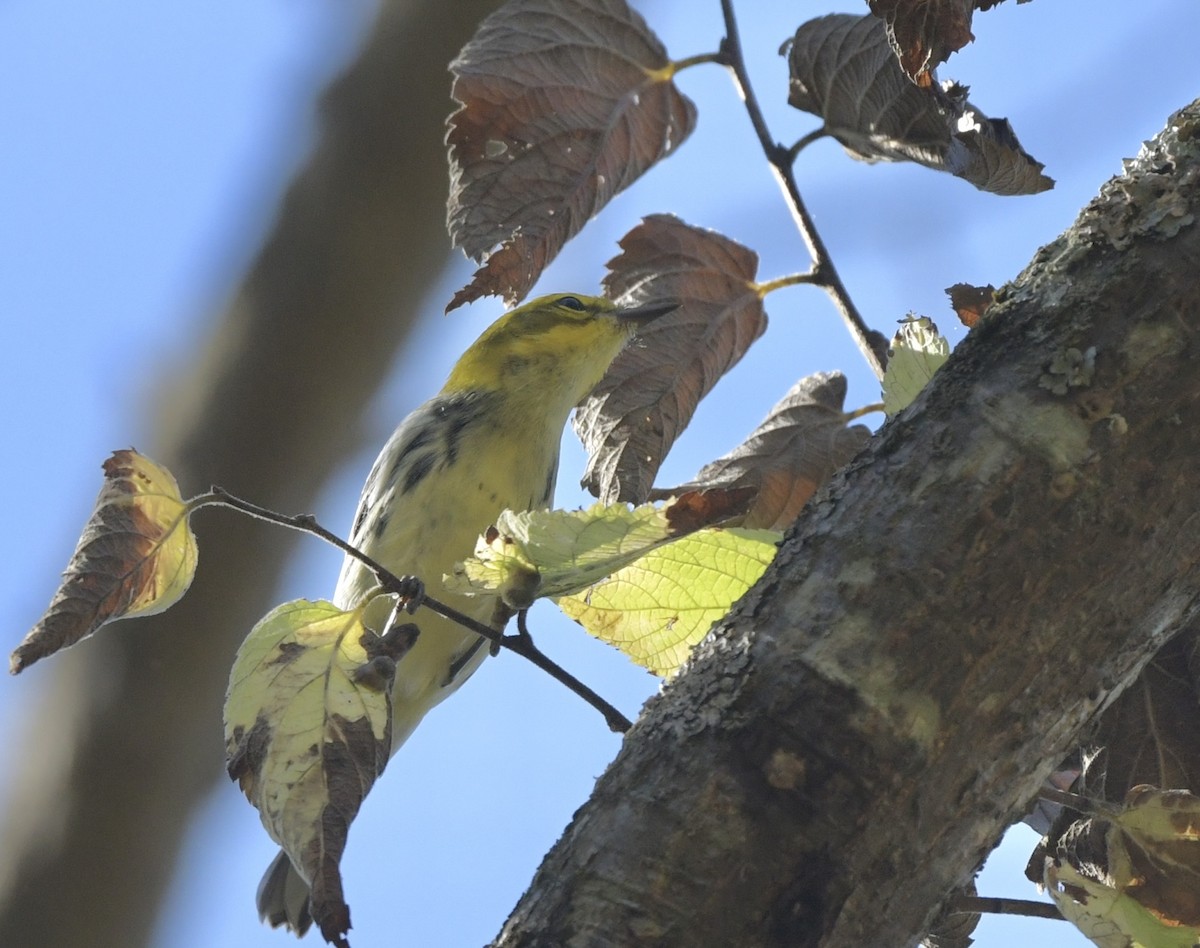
x: 657, y: 608
x: 918, y: 350
x: 543, y: 553
x: 1141, y: 887
x: 648, y: 580
x: 308, y: 730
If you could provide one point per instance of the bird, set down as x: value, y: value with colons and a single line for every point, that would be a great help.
x: 487, y: 441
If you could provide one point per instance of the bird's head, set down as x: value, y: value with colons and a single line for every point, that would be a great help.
x: 556, y: 346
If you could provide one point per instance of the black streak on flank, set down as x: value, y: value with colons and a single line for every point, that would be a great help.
x: 421, y: 437
x: 434, y: 443
x: 364, y: 506
x: 417, y: 472
x: 458, y: 423
x: 382, y: 522
x: 359, y: 518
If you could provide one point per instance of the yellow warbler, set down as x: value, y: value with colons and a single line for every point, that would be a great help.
x: 487, y: 441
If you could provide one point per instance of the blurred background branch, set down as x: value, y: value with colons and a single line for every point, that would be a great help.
x: 95, y: 819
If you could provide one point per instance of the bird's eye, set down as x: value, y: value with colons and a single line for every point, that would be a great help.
x: 571, y: 302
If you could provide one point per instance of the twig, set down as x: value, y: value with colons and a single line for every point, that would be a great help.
x: 522, y: 644
x: 412, y: 592
x: 1077, y: 801
x: 872, y: 344
x: 1002, y: 906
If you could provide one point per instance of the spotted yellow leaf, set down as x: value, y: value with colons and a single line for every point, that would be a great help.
x: 308, y: 730
x: 1142, y: 890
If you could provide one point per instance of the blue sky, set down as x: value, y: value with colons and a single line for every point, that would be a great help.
x: 146, y: 147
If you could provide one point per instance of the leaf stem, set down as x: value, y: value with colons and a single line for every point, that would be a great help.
x: 411, y: 590
x: 1077, y: 801
x: 872, y: 344
x: 815, y: 135
x: 678, y: 65
x: 792, y: 279
x: 864, y: 410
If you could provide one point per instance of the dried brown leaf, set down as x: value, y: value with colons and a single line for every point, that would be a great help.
x: 787, y: 458
x: 650, y: 393
x: 136, y: 557
x: 842, y: 69
x: 697, y: 508
x: 923, y: 33
x: 565, y: 103
x: 970, y: 302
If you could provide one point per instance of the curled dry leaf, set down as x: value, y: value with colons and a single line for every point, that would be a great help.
x: 651, y: 391
x: 691, y: 509
x: 565, y: 103
x: 843, y: 71
x: 308, y: 730
x: 136, y: 557
x: 971, y: 302
x: 954, y: 928
x: 795, y: 450
x: 923, y: 33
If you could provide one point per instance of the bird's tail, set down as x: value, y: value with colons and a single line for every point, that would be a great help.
x: 283, y: 896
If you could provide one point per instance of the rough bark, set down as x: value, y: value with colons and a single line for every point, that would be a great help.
x: 937, y: 629
x: 126, y: 734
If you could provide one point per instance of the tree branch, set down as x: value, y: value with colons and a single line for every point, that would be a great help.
x: 871, y: 343
x: 411, y: 588
x: 121, y: 748
x: 938, y: 628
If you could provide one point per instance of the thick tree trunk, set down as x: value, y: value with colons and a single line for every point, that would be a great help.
x: 127, y: 736
x: 939, y: 627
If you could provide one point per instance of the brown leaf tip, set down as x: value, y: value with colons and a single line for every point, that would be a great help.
x: 246, y: 753
x: 697, y: 509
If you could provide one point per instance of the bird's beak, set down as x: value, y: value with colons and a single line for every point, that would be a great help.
x: 640, y: 315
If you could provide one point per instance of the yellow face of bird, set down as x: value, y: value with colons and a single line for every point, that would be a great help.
x: 560, y: 344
